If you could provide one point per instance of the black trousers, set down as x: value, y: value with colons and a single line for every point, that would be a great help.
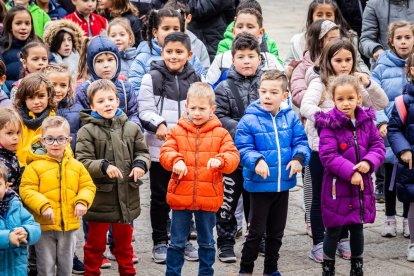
x: 268, y: 213
x: 333, y: 235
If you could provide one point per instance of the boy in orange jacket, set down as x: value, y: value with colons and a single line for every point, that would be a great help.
x: 197, y: 151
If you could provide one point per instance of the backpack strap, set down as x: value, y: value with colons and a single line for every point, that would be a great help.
x: 401, y: 108
x: 237, y: 96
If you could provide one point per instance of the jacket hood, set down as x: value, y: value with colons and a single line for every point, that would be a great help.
x: 38, y: 152
x: 212, y: 123
x: 306, y: 60
x: 9, y: 196
x: 160, y: 66
x: 115, y: 122
x: 409, y: 89
x: 143, y: 47
x: 98, y: 45
x: 257, y: 110
x: 390, y: 59
x: 129, y: 54
x: 52, y: 28
x: 335, y: 119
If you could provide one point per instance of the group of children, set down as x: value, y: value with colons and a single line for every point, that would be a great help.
x: 143, y: 102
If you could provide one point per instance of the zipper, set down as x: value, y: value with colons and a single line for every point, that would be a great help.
x: 361, y: 200
x: 196, y: 169
x: 279, y: 158
x: 334, y: 188
x: 178, y: 96
x: 62, y: 224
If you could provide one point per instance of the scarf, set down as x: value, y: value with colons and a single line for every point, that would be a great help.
x: 30, y: 120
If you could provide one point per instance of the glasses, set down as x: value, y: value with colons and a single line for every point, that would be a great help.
x: 49, y: 140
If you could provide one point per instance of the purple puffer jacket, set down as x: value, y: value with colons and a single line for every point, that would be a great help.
x: 337, y: 150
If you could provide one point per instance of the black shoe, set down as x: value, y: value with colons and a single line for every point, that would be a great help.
x: 356, y: 267
x: 78, y: 267
x: 262, y: 246
x: 328, y: 268
x: 226, y: 254
x: 32, y: 272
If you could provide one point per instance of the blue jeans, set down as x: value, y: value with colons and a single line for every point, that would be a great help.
x: 180, y: 228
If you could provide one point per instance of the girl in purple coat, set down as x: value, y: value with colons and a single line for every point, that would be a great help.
x: 350, y: 149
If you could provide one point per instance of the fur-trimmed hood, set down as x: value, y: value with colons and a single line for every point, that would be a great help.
x: 52, y: 29
x: 335, y: 119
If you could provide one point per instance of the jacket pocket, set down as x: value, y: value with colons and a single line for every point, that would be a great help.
x: 105, y: 188
x: 173, y: 184
x: 135, y: 185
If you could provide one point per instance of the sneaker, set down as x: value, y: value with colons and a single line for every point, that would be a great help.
x: 410, y: 252
x: 193, y: 231
x: 309, y: 229
x: 239, y: 232
x: 379, y: 197
x: 316, y: 253
x: 110, y: 256
x: 78, y: 267
x: 390, y: 228
x: 105, y: 263
x: 190, y: 252
x: 406, y: 229
x: 134, y: 259
x: 226, y: 254
x: 343, y: 249
x: 262, y: 246
x: 159, y: 253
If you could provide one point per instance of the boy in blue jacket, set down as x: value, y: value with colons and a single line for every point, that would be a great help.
x: 273, y: 148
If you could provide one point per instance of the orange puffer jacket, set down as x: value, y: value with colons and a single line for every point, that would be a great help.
x: 201, y: 188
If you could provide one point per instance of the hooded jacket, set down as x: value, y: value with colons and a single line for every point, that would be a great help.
x: 12, y: 61
x: 13, y: 260
x: 276, y: 139
x: 342, y: 146
x: 298, y: 83
x: 127, y: 58
x: 201, y: 188
x: 47, y: 182
x: 127, y: 99
x: 70, y: 111
x: 120, y: 143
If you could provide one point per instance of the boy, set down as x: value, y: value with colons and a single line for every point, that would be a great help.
x: 113, y: 150
x: 198, y: 150
x: 58, y: 191
x: 92, y: 24
x: 271, y: 141
x: 17, y: 229
x: 161, y: 102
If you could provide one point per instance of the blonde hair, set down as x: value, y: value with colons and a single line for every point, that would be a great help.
x: 408, y: 64
x: 123, y: 22
x: 100, y: 85
x: 275, y: 75
x: 8, y: 115
x: 341, y: 80
x: 61, y: 68
x: 393, y: 27
x: 55, y: 122
x: 201, y: 90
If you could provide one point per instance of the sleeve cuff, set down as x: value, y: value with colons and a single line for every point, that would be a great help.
x: 141, y: 164
x: 299, y: 157
x: 104, y: 167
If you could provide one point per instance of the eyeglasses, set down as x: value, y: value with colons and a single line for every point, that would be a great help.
x: 50, y: 140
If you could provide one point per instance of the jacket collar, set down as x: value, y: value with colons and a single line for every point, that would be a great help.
x: 335, y: 119
x: 212, y: 123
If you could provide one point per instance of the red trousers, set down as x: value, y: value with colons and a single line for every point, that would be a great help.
x: 96, y: 244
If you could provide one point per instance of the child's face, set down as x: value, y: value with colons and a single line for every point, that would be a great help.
x: 199, y: 109
x: 331, y: 35
x: 346, y: 99
x: 246, y: 62
x: 37, y: 59
x: 342, y: 62
x: 120, y: 37
x: 175, y: 56
x: 21, y: 25
x: 9, y: 136
x: 60, y: 83
x: 403, y: 41
x: 39, y: 102
x: 105, y: 66
x: 168, y: 25
x: 325, y: 12
x: 271, y: 95
x: 85, y: 7
x: 105, y: 103
x: 23, y: 3
x: 3, y: 188
x: 55, y: 140
x: 67, y: 45
x: 248, y: 23
x: 105, y: 4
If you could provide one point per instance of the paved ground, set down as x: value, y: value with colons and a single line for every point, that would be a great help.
x: 382, y: 256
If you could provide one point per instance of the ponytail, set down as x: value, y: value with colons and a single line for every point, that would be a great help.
x: 83, y: 68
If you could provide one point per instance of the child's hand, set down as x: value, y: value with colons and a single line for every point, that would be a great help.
x: 295, y: 167
x: 363, y: 78
x: 377, y: 53
x: 136, y: 173
x: 213, y: 163
x: 362, y: 167
x: 161, y: 132
x: 80, y: 210
x: 113, y: 172
x: 180, y: 168
x: 21, y: 233
x: 49, y: 215
x: 407, y: 157
x: 262, y: 169
x: 383, y: 130
x: 357, y: 180
x: 14, y: 239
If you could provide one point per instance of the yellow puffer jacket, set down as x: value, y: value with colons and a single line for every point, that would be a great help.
x: 59, y: 185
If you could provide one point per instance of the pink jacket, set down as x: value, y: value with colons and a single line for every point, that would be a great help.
x: 298, y: 83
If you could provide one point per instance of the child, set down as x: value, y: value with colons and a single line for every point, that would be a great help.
x: 4, y: 99
x: 91, y: 23
x: 162, y: 100
x: 114, y: 151
x: 401, y: 141
x: 64, y: 39
x: 337, y: 58
x: 53, y: 9
x: 34, y: 102
x: 58, y: 190
x: 250, y: 21
x: 198, y: 133
x: 120, y: 32
x: 14, y: 38
x: 17, y: 229
x: 350, y: 150
x: 271, y: 141
x: 389, y: 74
x: 103, y: 61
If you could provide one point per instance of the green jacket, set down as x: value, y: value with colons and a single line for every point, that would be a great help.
x: 226, y: 42
x: 40, y: 18
x: 118, y: 142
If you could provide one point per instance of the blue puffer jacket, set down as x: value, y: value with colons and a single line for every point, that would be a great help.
x: 12, y: 61
x: 13, y: 260
x: 56, y: 11
x: 145, y: 56
x: 70, y: 111
x: 127, y: 58
x: 126, y: 95
x: 276, y: 139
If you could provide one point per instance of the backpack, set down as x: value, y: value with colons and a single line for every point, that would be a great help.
x: 401, y: 108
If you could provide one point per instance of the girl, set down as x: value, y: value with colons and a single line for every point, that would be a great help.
x: 64, y: 39
x: 4, y: 99
x: 17, y: 31
x: 350, y: 149
x: 120, y: 32
x: 389, y: 74
x: 159, y: 24
x: 337, y: 58
x: 34, y: 102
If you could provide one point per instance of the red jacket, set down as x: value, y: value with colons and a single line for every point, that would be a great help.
x: 97, y: 23
x: 201, y: 188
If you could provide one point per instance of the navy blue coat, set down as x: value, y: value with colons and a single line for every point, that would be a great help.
x: 12, y: 61
x: 56, y: 11
x: 70, y: 111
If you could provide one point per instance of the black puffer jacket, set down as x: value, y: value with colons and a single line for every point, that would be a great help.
x: 352, y: 11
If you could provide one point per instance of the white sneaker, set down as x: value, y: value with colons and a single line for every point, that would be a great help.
x: 390, y: 228
x: 410, y: 252
x: 109, y: 255
x: 406, y: 229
